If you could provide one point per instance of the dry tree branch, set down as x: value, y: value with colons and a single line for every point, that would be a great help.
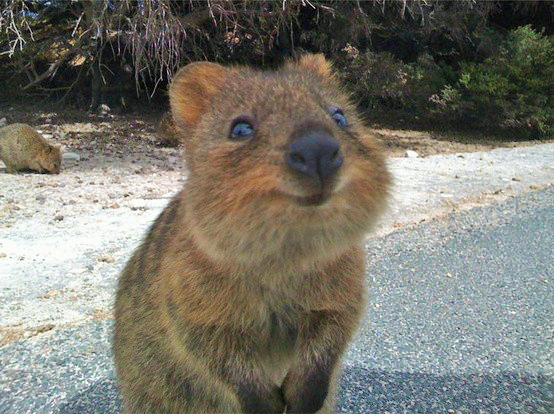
x: 51, y: 71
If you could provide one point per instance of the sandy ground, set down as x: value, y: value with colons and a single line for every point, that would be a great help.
x: 64, y: 238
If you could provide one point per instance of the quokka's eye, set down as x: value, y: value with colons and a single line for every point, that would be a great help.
x: 241, y: 129
x: 339, y: 117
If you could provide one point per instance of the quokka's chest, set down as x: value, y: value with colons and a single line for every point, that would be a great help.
x: 279, y: 347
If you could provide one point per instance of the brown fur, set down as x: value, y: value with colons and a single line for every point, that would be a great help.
x: 240, y: 299
x: 167, y: 131
x: 23, y: 148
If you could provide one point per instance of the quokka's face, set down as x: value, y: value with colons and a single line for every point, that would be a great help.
x: 51, y: 160
x: 284, y: 148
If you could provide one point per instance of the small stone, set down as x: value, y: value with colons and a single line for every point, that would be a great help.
x: 3, y: 122
x: 105, y: 258
x: 71, y: 156
x: 103, y: 109
x: 41, y: 198
x: 49, y: 294
x: 139, y: 208
x: 411, y: 154
x: 534, y: 187
x: 516, y: 178
x: 2, y: 255
x: 47, y: 136
x: 59, y: 217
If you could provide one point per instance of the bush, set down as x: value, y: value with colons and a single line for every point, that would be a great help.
x: 512, y: 88
x: 380, y: 81
x: 376, y: 79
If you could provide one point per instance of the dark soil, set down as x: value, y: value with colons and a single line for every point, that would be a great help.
x: 119, y: 131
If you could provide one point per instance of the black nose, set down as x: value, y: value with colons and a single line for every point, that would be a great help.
x: 316, y: 154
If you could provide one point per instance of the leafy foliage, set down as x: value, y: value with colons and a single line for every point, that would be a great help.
x: 434, y: 58
x: 512, y: 88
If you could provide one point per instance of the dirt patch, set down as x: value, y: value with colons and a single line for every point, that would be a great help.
x: 116, y: 140
x: 12, y: 334
x: 132, y: 136
x: 426, y: 143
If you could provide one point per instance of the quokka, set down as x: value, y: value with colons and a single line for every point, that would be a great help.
x: 248, y: 287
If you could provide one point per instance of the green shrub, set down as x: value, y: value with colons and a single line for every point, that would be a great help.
x: 379, y: 80
x: 513, y: 88
x: 425, y: 78
x: 375, y: 79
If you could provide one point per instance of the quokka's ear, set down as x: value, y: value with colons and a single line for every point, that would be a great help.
x: 315, y: 63
x: 192, y: 89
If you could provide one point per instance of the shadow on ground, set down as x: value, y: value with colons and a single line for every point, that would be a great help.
x: 370, y: 391
x: 100, y: 398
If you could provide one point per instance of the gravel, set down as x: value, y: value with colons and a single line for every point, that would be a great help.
x: 460, y: 315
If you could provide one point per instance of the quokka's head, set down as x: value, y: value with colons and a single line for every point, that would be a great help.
x: 278, y: 160
x: 50, y: 159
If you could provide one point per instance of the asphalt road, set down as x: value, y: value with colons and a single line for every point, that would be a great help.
x: 460, y: 320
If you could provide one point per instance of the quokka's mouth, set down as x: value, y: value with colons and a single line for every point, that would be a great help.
x: 313, y: 200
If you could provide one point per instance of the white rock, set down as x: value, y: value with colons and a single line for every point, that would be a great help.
x: 70, y: 156
x: 47, y: 136
x: 3, y: 122
x: 411, y: 154
x: 103, y: 109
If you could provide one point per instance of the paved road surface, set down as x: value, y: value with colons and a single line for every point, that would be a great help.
x: 460, y: 320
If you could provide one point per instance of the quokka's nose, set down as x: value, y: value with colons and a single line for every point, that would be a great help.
x: 316, y: 154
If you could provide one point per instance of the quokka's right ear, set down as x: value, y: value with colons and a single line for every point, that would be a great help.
x: 191, y: 90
